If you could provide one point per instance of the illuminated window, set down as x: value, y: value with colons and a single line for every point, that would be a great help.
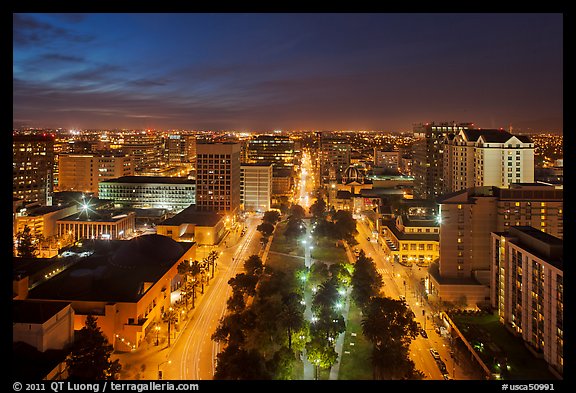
x: 517, y: 204
x: 542, y: 204
x: 542, y: 224
x: 460, y: 207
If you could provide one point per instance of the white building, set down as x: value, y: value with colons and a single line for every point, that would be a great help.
x: 477, y: 157
x: 256, y: 187
x: 528, y: 289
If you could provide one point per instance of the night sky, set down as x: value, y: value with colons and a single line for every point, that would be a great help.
x: 287, y: 71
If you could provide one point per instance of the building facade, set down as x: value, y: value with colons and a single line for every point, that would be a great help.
x: 468, y: 217
x: 334, y: 157
x: 99, y: 224
x: 528, y: 289
x: 389, y: 160
x: 428, y: 161
x: 145, y: 148
x: 83, y: 172
x: 32, y: 167
x: 256, y: 187
x: 277, y: 150
x: 486, y: 157
x: 218, y: 177
x: 174, y: 193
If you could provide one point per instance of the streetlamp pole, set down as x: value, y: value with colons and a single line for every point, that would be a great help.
x: 159, y: 364
x: 157, y: 328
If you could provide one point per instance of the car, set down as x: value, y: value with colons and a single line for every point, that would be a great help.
x: 446, y: 376
x: 442, y: 366
x: 435, y: 353
x: 368, y: 238
x: 402, y: 297
x: 423, y: 333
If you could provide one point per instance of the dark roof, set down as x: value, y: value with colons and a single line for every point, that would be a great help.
x: 191, y: 216
x: 343, y: 194
x: 35, y: 311
x: 40, y: 210
x: 434, y: 271
x: 413, y: 222
x: 22, y: 267
x: 151, y: 179
x: 30, y: 364
x: 115, y: 272
x: 423, y: 236
x: 489, y: 135
x: 97, y: 215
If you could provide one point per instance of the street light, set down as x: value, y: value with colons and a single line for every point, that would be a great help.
x: 160, y: 372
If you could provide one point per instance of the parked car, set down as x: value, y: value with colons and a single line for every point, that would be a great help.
x: 435, y: 353
x: 442, y: 366
x: 423, y: 333
x: 401, y: 297
x: 446, y: 376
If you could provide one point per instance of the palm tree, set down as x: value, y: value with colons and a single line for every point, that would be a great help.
x: 195, y: 270
x: 184, y: 271
x: 211, y: 259
x: 292, y: 316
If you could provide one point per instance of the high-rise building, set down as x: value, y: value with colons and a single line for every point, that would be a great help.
x: 389, y: 160
x: 277, y: 150
x: 334, y: 157
x: 256, y: 187
x: 180, y: 149
x: 528, y: 289
x: 145, y: 148
x: 218, y: 177
x: 32, y: 167
x: 428, y: 161
x: 486, y: 157
x: 83, y: 172
x: 468, y: 217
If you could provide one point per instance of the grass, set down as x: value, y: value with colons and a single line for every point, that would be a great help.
x: 326, y: 251
x: 284, y: 245
x: 284, y: 263
x: 523, y: 365
x: 355, y: 365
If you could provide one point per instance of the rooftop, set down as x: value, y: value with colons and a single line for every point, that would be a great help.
x: 424, y: 236
x: 115, y: 272
x: 191, y: 216
x: 150, y: 180
x: 35, y: 311
x: 98, y: 215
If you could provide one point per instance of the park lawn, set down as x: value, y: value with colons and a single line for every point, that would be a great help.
x: 523, y: 365
x: 284, y: 263
x: 284, y: 245
x: 326, y: 251
x: 355, y: 365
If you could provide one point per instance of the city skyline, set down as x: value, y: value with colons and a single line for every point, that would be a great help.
x: 287, y: 71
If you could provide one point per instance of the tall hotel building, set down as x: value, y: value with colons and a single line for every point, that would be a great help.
x: 478, y: 157
x: 428, y: 160
x: 528, y: 289
x: 32, y: 167
x: 468, y: 217
x: 83, y: 172
x: 218, y: 177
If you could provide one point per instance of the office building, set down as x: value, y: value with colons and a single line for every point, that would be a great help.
x: 218, y: 177
x: 528, y: 289
x: 411, y: 240
x: 205, y: 228
x: 97, y: 224
x: 146, y: 149
x: 428, y: 160
x: 256, y: 187
x: 32, y: 167
x: 83, y: 172
x: 334, y: 157
x: 277, y: 150
x: 180, y: 149
x: 389, y: 161
x: 173, y: 193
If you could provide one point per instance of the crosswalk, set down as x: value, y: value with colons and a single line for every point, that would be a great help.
x: 382, y: 271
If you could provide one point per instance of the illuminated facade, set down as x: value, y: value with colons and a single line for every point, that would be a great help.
x: 256, y: 187
x: 218, y: 177
x: 83, y: 172
x: 99, y: 224
x: 412, y: 241
x: 32, y: 167
x: 478, y: 157
x: 277, y: 150
x: 174, y: 193
x: 528, y: 289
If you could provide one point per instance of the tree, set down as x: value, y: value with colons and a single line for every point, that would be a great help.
x: 366, y: 281
x: 318, y: 273
x: 253, y: 265
x: 389, y: 324
x: 170, y: 317
x: 244, y: 283
x: 294, y: 228
x: 292, y: 316
x: 282, y: 363
x: 235, y: 363
x: 90, y: 355
x: 211, y: 259
x: 297, y: 211
x: 345, y: 224
x: 27, y: 246
x: 321, y: 353
x: 318, y: 208
x: 271, y: 216
x: 265, y: 229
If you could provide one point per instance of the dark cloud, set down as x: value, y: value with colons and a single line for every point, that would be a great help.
x: 60, y: 58
x: 148, y: 82
x: 28, y: 30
